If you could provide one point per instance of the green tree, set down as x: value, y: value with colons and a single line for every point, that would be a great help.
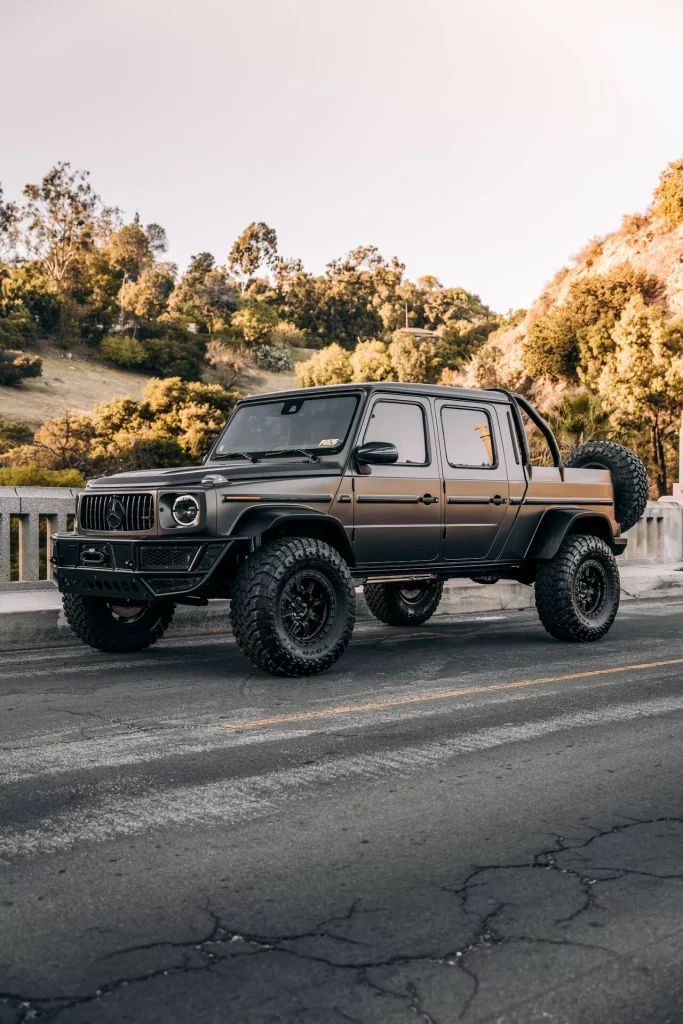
x: 443, y: 305
x: 413, y: 359
x: 668, y: 198
x: 642, y: 380
x: 62, y: 218
x: 255, y: 322
x: 147, y: 298
x: 580, y: 417
x: 573, y: 340
x: 133, y: 249
x: 205, y: 296
x: 255, y: 247
x: 9, y: 218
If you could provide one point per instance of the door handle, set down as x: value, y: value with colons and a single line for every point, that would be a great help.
x: 497, y: 499
x: 427, y: 499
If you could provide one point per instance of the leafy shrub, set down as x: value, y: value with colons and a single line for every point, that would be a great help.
x: 10, y: 335
x: 34, y: 476
x: 122, y: 350
x: 174, y: 423
x: 370, y: 360
x: 668, y: 196
x: 331, y: 365
x: 13, y: 434
x: 16, y: 366
x: 286, y: 333
x: 275, y: 359
x: 170, y: 356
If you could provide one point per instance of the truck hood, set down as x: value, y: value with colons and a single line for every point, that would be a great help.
x: 192, y: 476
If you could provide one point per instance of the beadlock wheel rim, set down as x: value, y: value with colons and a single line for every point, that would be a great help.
x: 591, y: 588
x: 307, y: 607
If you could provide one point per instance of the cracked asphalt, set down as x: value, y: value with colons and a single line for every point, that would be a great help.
x: 464, y: 822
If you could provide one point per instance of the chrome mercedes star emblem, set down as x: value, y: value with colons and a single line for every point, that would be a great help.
x: 115, y: 514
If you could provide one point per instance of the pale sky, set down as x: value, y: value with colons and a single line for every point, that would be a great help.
x: 481, y: 141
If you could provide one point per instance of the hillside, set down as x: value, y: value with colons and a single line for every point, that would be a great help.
x: 79, y: 384
x: 644, y: 241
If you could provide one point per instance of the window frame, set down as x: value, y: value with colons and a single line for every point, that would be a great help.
x: 494, y: 444
x: 320, y: 452
x: 390, y: 399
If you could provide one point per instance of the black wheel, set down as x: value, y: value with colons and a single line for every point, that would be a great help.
x: 117, y: 627
x: 293, y: 607
x: 577, y: 592
x: 403, y: 604
x: 628, y: 475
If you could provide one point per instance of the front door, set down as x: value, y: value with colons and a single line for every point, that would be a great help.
x: 477, y: 492
x: 397, y: 508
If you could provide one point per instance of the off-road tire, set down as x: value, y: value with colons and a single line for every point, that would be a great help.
x: 95, y: 622
x: 628, y: 475
x: 258, y: 608
x: 558, y: 593
x: 388, y: 602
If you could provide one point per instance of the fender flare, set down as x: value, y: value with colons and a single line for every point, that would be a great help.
x: 260, y: 519
x: 556, y: 523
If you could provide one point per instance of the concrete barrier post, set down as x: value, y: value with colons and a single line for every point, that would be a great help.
x: 29, y: 505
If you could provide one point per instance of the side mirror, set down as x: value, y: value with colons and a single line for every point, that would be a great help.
x: 378, y: 453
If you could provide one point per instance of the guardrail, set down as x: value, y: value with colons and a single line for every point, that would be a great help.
x: 29, y: 516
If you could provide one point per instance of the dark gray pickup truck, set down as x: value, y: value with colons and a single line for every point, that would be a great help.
x: 307, y: 494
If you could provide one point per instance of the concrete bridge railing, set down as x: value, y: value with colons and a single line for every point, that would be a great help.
x: 29, y: 516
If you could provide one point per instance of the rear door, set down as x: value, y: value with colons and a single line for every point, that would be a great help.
x: 476, y: 488
x: 397, y: 508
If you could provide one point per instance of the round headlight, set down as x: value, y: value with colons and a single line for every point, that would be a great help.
x: 186, y: 510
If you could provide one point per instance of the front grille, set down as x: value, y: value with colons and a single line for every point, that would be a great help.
x: 131, y: 513
x: 166, y: 557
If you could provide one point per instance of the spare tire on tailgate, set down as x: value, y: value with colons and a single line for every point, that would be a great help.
x: 628, y: 475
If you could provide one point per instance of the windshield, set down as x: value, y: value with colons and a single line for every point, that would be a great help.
x: 310, y: 423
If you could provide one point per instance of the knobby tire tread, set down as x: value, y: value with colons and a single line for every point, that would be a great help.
x: 553, y: 590
x: 383, y: 600
x: 628, y: 474
x: 93, y: 629
x: 251, y: 605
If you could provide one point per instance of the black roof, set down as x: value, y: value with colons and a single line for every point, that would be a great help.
x: 435, y: 390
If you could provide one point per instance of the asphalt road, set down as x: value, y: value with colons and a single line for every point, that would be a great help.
x: 467, y: 821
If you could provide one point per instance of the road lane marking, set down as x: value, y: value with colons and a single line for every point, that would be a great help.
x: 444, y: 695
x: 99, y: 815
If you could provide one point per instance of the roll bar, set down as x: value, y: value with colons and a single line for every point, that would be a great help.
x: 519, y: 401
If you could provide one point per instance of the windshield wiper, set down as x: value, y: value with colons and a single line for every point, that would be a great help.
x: 231, y: 455
x: 292, y: 451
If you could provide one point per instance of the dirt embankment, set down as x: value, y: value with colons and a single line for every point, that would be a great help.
x: 78, y: 384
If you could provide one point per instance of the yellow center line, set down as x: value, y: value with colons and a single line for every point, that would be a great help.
x: 444, y: 695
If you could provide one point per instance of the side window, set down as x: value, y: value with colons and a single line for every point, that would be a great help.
x: 468, y: 438
x: 402, y: 424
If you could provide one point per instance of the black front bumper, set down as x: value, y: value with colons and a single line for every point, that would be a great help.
x: 135, y: 570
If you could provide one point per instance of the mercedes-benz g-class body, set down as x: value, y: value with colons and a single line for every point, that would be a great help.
x: 306, y: 494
